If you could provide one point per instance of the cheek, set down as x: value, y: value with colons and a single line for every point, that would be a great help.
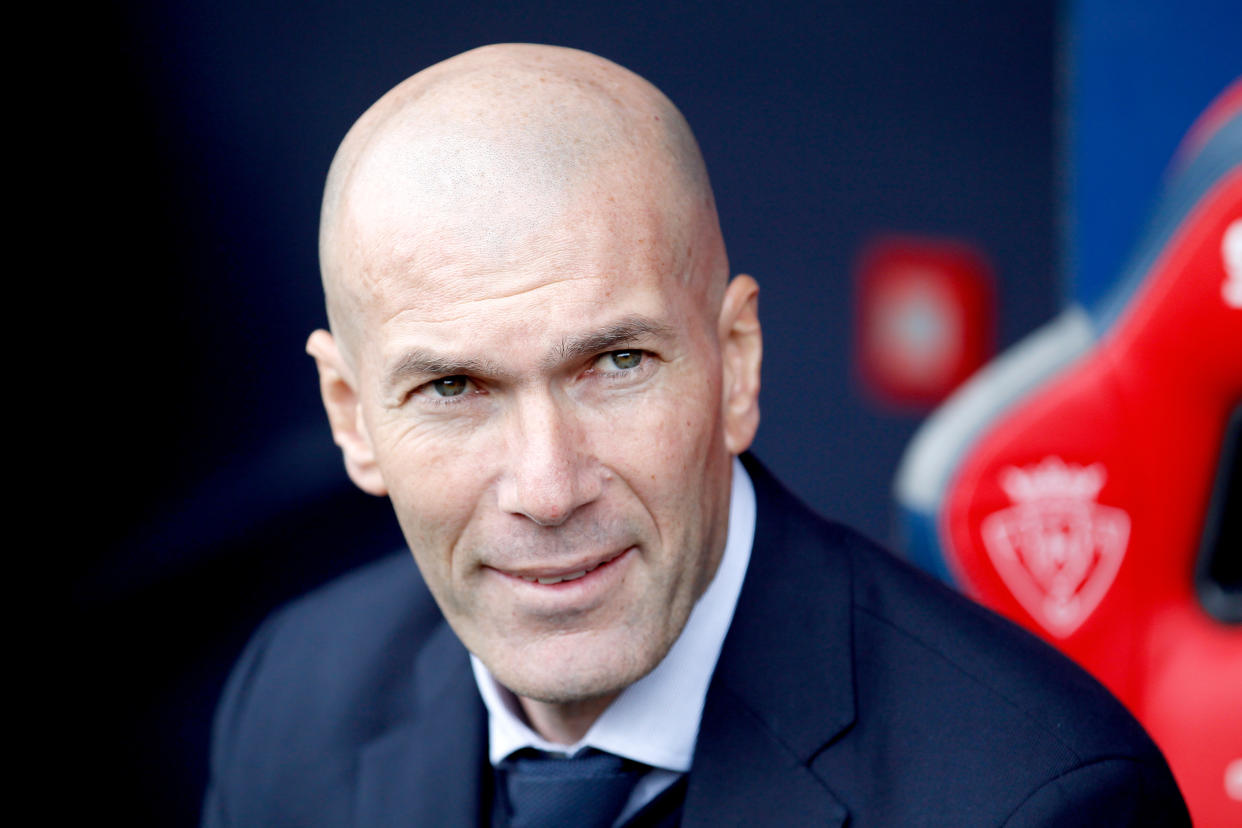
x: 435, y: 483
x: 662, y: 442
x: 688, y: 420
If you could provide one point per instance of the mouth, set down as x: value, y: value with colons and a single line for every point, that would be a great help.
x: 549, y: 577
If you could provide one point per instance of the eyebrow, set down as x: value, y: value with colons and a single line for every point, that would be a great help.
x: 629, y: 330
x: 419, y: 363
x: 626, y: 331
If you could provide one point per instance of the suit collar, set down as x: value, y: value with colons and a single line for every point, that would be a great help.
x: 784, y: 686
x: 431, y: 767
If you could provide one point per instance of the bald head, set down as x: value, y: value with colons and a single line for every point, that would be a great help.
x: 535, y: 355
x: 482, y: 150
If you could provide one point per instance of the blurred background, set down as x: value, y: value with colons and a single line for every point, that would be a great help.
x: 1021, y: 142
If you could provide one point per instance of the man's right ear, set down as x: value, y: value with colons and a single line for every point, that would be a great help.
x: 339, y: 389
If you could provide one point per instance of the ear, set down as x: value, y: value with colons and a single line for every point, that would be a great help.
x: 741, y: 350
x: 339, y: 388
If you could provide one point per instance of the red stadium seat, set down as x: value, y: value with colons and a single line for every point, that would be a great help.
x: 1087, y: 486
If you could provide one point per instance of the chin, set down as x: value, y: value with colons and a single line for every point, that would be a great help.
x: 566, y: 672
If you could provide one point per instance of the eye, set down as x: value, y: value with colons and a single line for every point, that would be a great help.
x: 453, y: 386
x: 625, y: 360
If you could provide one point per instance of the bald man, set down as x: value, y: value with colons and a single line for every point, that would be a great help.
x: 537, y: 354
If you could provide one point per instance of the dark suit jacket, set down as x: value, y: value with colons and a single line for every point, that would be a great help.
x: 850, y: 689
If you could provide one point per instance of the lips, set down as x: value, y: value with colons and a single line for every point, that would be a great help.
x: 556, y: 579
x: 547, y: 577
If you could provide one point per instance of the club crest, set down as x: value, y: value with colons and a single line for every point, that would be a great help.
x: 1056, y: 548
x: 1231, y: 252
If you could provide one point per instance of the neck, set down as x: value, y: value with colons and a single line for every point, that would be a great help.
x: 564, y: 723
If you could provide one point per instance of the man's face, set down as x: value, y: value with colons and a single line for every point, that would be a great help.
x: 546, y: 417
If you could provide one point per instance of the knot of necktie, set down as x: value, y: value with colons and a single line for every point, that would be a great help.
x: 543, y: 790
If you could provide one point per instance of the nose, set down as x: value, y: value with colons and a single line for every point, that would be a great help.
x: 550, y: 471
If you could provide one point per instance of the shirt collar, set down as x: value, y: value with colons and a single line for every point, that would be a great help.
x: 655, y: 720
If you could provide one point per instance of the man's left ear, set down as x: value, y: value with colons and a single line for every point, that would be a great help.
x: 741, y: 351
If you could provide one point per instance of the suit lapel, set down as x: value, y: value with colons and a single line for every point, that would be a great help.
x: 429, y: 769
x: 784, y: 687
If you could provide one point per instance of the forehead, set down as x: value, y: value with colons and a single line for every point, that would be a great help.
x: 468, y: 281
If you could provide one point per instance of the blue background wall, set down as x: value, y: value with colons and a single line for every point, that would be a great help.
x: 1138, y: 74
x: 212, y: 490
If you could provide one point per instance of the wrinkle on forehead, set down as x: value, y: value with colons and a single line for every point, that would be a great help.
x: 484, y: 150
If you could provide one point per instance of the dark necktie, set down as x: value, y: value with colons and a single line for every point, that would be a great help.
x: 542, y: 790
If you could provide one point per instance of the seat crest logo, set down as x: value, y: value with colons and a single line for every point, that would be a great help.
x: 1231, y: 252
x: 1056, y: 548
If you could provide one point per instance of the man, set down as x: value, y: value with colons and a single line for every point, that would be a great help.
x: 537, y: 354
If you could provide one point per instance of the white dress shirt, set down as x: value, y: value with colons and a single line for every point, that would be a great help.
x: 655, y: 720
